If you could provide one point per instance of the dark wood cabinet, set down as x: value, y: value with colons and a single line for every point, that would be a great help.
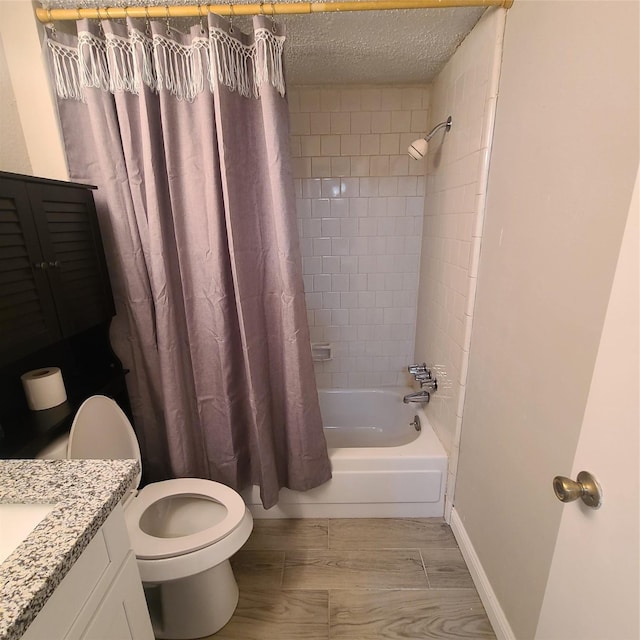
x: 27, y: 313
x: 55, y: 307
x: 53, y: 276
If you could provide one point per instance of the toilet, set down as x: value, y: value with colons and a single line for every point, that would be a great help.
x: 182, y: 531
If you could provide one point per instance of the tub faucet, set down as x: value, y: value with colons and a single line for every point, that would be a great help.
x: 427, y: 381
x: 417, y: 397
x: 419, y: 369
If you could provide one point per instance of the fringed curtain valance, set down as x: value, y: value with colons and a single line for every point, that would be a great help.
x: 175, y: 62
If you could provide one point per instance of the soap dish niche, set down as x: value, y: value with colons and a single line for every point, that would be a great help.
x: 321, y: 351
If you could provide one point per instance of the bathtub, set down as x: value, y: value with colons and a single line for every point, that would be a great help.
x: 382, y: 466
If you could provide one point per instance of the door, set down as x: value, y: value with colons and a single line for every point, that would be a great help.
x: 28, y: 318
x: 593, y: 588
x: 69, y: 236
x: 123, y: 613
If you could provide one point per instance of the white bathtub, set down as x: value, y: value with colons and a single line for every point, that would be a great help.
x: 382, y: 467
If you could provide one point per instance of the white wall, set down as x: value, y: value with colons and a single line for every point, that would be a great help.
x: 360, y: 201
x: 457, y: 170
x: 564, y: 159
x: 21, y: 35
x: 13, y: 149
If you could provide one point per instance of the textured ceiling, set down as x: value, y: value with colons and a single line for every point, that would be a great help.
x: 373, y: 47
x: 363, y: 47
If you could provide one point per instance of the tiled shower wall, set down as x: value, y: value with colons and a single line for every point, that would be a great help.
x: 360, y: 201
x: 457, y: 173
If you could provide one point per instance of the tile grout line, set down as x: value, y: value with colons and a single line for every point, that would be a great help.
x: 424, y: 568
x: 284, y: 562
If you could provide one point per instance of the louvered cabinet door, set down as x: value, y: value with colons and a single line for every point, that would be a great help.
x: 69, y: 236
x: 27, y: 314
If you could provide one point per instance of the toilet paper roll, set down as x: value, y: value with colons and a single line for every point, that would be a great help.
x: 44, y: 388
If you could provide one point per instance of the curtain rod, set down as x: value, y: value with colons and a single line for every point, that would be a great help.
x: 271, y: 8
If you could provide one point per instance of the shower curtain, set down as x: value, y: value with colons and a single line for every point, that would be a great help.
x: 186, y: 137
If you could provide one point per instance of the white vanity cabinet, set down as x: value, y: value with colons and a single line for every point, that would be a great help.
x: 101, y: 597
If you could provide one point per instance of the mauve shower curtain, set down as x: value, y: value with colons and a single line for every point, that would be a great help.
x: 196, y: 205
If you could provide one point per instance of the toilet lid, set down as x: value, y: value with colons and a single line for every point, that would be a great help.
x: 102, y: 431
x: 169, y: 492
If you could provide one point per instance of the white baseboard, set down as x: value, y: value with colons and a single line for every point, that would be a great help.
x: 494, y: 611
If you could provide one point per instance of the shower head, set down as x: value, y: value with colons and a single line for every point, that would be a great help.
x: 418, y: 148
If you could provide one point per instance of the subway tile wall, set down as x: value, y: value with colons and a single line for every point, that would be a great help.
x: 360, y: 203
x: 457, y: 173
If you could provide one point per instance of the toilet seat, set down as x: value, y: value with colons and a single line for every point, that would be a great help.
x: 101, y: 430
x: 150, y: 547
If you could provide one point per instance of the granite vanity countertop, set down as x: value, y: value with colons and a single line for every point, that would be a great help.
x: 84, y: 493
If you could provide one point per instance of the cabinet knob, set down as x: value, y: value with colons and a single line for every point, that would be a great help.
x: 55, y: 264
x: 41, y: 265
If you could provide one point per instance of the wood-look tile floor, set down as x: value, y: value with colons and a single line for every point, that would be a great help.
x: 354, y: 579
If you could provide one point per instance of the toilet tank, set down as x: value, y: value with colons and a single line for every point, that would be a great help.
x: 56, y: 450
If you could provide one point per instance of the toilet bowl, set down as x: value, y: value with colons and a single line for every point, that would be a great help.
x: 182, y: 531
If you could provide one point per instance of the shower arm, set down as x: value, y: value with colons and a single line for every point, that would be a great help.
x: 446, y: 124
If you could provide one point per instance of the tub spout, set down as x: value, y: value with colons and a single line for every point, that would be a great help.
x: 417, y: 396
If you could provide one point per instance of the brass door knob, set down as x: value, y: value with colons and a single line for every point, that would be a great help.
x: 586, y: 488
